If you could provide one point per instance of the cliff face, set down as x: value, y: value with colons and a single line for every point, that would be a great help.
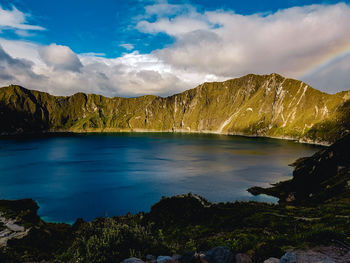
x: 268, y: 105
x: 323, y: 177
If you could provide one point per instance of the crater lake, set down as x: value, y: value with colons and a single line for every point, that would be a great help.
x: 92, y: 175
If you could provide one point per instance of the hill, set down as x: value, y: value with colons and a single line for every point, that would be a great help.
x: 253, y: 105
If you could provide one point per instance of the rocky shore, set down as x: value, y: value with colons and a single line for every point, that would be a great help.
x: 316, y: 179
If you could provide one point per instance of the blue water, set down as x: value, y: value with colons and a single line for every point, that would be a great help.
x: 111, y: 174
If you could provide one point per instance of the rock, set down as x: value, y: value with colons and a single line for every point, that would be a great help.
x: 165, y: 259
x: 310, y: 256
x: 272, y: 260
x: 289, y: 257
x: 132, y: 260
x: 150, y: 259
x: 243, y: 258
x: 217, y: 255
x: 10, y: 230
x: 176, y: 258
x: 188, y: 257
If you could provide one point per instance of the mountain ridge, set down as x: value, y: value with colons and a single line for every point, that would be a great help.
x: 253, y: 105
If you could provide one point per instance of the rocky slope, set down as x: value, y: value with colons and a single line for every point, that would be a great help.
x: 268, y: 105
x: 323, y: 177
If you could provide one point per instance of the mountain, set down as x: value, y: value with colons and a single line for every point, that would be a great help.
x: 253, y: 105
x: 323, y: 177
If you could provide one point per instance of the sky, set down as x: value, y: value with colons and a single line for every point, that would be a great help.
x: 160, y: 47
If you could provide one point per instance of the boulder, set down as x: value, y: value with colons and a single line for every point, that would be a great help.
x: 218, y: 255
x: 132, y: 260
x: 165, y: 259
x: 289, y: 257
x: 151, y: 259
x: 188, y: 257
x: 176, y: 258
x: 310, y: 256
x: 243, y: 258
x: 272, y: 260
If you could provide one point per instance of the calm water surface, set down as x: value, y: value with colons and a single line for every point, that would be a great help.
x: 105, y: 175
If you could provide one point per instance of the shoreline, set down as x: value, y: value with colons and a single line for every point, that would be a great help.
x: 139, y: 131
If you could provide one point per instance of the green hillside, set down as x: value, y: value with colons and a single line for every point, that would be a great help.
x: 254, y: 105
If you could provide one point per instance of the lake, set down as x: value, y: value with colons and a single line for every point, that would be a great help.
x: 111, y: 174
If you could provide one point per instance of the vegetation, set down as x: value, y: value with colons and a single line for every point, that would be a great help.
x: 267, y: 105
x: 261, y: 230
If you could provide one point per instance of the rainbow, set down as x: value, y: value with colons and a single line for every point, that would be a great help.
x: 329, y: 58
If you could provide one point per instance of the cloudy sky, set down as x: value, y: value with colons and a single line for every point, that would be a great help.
x: 137, y: 47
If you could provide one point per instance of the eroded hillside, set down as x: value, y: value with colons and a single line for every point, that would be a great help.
x: 268, y: 105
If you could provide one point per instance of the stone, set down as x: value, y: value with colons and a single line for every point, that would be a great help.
x: 150, y: 259
x: 176, y: 258
x: 217, y: 255
x: 165, y: 259
x: 243, y: 258
x: 188, y: 257
x: 133, y: 260
x: 289, y: 257
x: 272, y: 260
x: 310, y: 256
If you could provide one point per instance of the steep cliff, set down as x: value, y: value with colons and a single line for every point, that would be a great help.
x: 323, y: 177
x: 268, y: 105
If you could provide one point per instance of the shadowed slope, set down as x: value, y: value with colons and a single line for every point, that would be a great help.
x: 323, y: 177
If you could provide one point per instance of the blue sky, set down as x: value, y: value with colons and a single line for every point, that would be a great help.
x: 150, y: 45
x: 102, y: 26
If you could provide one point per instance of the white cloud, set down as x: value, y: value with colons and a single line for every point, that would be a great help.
x: 22, y: 49
x: 127, y: 46
x: 92, y: 54
x: 208, y: 46
x: 172, y: 27
x: 288, y: 41
x: 172, y: 19
x: 132, y: 74
x: 15, y: 19
x: 164, y: 9
x: 60, y: 57
x: 13, y: 70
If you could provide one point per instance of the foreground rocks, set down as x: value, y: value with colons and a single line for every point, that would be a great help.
x: 10, y: 230
x: 214, y: 255
x: 323, y: 254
